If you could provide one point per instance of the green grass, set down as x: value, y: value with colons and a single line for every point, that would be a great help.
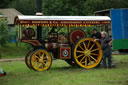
x: 63, y: 74
x: 11, y: 51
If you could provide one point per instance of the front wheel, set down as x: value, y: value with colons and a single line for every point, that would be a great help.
x: 27, y: 58
x: 40, y: 60
x: 87, y: 53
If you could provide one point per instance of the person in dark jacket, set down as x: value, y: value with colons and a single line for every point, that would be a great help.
x: 96, y: 34
x: 107, y: 51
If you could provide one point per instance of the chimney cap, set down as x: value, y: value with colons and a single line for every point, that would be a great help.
x: 39, y: 14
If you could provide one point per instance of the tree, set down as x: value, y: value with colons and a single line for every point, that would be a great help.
x: 27, y: 7
x: 4, y: 37
x: 4, y: 3
x: 67, y: 7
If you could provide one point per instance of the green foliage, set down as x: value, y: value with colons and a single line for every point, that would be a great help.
x: 4, y: 36
x: 64, y: 7
x: 80, y: 7
x: 4, y: 3
x: 27, y: 7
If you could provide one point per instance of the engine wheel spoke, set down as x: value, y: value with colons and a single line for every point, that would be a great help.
x: 81, y: 47
x: 94, y: 50
x: 80, y: 55
x: 93, y: 58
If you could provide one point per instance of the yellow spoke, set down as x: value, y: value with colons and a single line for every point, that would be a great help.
x: 79, y: 51
x: 84, y: 45
x: 89, y: 60
x: 43, y: 63
x: 93, y: 58
x: 81, y: 47
x: 39, y: 53
x: 82, y: 59
x: 88, y: 44
x: 45, y: 60
x: 35, y: 63
x: 85, y: 61
x: 38, y: 64
x: 36, y: 57
x: 92, y: 46
x: 80, y: 55
x: 94, y: 54
x: 42, y: 66
x: 94, y: 50
x: 44, y: 57
x: 34, y: 60
x: 43, y: 54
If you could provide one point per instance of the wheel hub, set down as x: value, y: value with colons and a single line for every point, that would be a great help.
x: 41, y: 59
x: 87, y: 52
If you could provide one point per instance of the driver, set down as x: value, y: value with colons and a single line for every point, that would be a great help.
x: 53, y: 30
x: 96, y: 34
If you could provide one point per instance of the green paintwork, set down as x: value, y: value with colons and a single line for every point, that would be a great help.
x: 120, y: 44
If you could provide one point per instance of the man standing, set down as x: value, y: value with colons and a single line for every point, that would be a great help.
x: 96, y: 34
x: 107, y: 51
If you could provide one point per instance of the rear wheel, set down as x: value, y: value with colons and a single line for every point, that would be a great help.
x: 40, y: 60
x: 27, y: 58
x: 87, y: 53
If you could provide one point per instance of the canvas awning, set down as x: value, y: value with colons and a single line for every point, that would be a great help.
x: 62, y: 20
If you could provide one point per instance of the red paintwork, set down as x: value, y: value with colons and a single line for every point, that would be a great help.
x: 61, y: 23
x: 33, y: 42
x: 68, y: 49
x: 75, y: 35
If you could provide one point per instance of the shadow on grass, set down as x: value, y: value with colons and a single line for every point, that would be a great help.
x: 65, y: 68
x: 71, y: 69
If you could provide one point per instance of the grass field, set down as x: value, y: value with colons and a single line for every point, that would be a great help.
x: 63, y: 74
x: 11, y: 51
